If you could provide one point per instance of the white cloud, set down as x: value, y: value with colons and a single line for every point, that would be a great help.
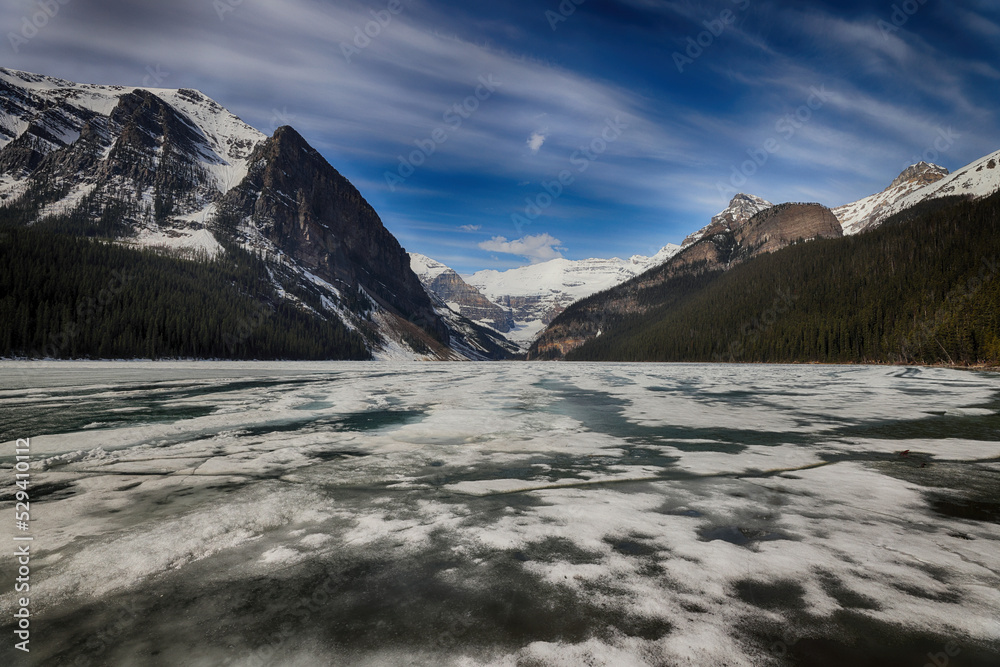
x: 537, y: 248
x: 471, y: 228
x: 536, y: 140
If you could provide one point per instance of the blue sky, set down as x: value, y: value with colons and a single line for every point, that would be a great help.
x: 652, y: 112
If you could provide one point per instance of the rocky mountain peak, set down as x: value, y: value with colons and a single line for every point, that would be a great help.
x: 921, y: 172
x: 445, y: 283
x: 741, y: 208
x: 873, y: 210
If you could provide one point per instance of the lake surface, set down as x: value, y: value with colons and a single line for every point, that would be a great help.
x: 504, y: 514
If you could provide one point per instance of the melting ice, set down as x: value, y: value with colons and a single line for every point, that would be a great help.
x: 505, y: 514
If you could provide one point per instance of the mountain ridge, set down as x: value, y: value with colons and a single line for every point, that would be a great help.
x: 537, y: 293
x: 870, y: 211
x: 731, y: 238
x: 175, y: 171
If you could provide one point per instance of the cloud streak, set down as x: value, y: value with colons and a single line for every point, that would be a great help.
x: 654, y: 185
x: 537, y: 248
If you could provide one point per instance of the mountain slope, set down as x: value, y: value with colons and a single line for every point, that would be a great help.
x: 458, y: 295
x: 174, y: 171
x: 729, y: 240
x: 924, y: 287
x: 114, y: 142
x: 535, y: 294
x: 919, y: 183
x: 65, y: 296
x: 741, y: 208
x: 300, y: 205
x: 980, y: 178
x: 872, y: 210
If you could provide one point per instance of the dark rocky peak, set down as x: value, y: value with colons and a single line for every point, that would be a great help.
x: 147, y: 121
x: 157, y: 146
x: 470, y: 301
x: 309, y: 210
x: 741, y: 208
x: 921, y: 173
x: 51, y: 126
x: 13, y: 101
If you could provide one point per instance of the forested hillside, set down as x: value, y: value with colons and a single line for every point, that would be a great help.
x: 923, y: 288
x: 69, y: 296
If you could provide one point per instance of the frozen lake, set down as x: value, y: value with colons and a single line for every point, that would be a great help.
x: 504, y: 514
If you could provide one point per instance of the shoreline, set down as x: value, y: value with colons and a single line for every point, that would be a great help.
x: 989, y: 368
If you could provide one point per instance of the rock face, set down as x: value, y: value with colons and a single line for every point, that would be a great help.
x: 731, y: 238
x: 534, y: 308
x: 740, y: 209
x: 780, y: 226
x: 534, y: 295
x: 872, y: 211
x: 459, y: 295
x: 308, y: 210
x: 452, y: 289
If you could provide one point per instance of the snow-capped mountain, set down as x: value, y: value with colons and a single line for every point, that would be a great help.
x: 444, y: 283
x: 535, y: 294
x: 871, y: 211
x: 918, y: 183
x: 88, y: 136
x: 175, y: 170
x: 741, y: 208
x: 731, y: 239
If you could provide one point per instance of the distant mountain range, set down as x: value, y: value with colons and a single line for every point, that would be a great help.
x: 715, y: 296
x: 520, y: 302
x: 241, y: 245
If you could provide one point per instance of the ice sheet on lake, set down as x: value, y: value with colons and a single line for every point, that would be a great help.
x: 508, y: 514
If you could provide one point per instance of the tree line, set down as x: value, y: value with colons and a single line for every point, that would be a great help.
x: 68, y: 291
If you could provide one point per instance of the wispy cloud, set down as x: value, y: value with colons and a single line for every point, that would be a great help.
x: 537, y: 248
x: 685, y: 130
